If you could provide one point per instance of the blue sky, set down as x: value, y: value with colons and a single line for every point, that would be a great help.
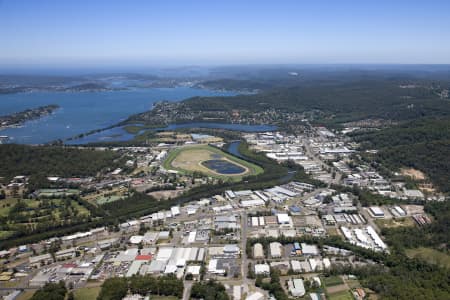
x: 62, y: 32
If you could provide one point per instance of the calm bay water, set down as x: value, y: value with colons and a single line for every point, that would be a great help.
x: 85, y: 111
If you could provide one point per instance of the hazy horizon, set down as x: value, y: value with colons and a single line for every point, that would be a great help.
x: 180, y: 70
x: 105, y: 34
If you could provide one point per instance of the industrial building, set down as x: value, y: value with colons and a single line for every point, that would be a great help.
x: 175, y: 210
x: 231, y: 249
x: 194, y: 271
x: 376, y: 212
x: 255, y: 296
x: 283, y: 219
x: 212, y: 268
x: 252, y: 203
x: 262, y: 269
x: 296, y: 266
x: 310, y: 250
x: 275, y: 249
x: 150, y: 237
x: 367, y: 238
x: 296, y: 287
x: 37, y: 261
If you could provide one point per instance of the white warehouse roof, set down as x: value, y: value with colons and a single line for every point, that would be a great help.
x: 136, y: 239
x: 275, y: 249
x: 262, y: 269
x: 283, y: 218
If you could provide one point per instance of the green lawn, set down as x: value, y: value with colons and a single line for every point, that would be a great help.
x: 332, y: 281
x: 81, y: 209
x: 5, y: 206
x: 87, y: 293
x: 106, y: 199
x: 430, y: 255
x: 344, y: 295
x: 36, y: 210
x: 201, y: 153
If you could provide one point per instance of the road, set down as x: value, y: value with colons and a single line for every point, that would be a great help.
x: 244, y: 261
x: 187, y: 290
x: 310, y: 153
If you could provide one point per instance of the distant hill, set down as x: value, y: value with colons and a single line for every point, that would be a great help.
x: 87, y: 87
x: 348, y: 101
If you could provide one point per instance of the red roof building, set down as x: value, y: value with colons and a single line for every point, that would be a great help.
x: 143, y: 257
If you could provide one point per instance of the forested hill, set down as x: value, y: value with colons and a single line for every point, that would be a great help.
x: 423, y: 144
x: 347, y: 101
x: 423, y: 130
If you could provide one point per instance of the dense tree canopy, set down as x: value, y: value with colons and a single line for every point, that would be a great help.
x: 347, y: 101
x: 117, y: 288
x: 54, y: 161
x: 209, y: 290
x: 113, y: 289
x: 435, y: 235
x: 423, y: 145
x: 51, y: 291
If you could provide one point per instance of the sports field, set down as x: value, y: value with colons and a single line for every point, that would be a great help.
x: 209, y: 161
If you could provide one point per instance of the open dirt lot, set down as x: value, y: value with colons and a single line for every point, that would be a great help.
x: 414, y: 174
